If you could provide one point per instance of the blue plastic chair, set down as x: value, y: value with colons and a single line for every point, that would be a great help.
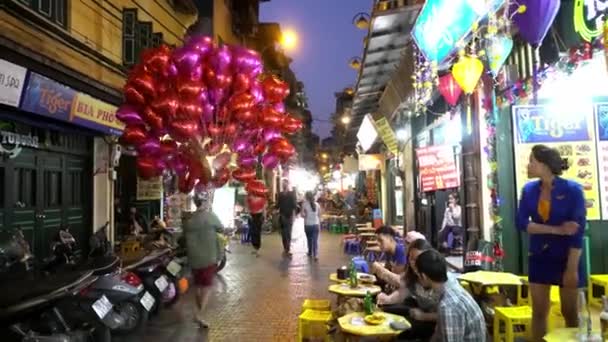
x: 361, y: 264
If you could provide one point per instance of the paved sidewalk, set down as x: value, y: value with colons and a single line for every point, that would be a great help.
x: 256, y: 299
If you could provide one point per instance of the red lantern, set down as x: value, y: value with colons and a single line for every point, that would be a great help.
x: 449, y: 89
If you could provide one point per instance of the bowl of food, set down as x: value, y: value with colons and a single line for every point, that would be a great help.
x: 366, y: 278
x: 375, y: 319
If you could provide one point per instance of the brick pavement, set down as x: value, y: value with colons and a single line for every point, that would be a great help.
x: 255, y: 299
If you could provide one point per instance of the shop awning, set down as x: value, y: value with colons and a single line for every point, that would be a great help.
x: 388, y: 35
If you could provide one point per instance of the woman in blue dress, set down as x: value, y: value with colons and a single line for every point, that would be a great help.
x: 552, y: 212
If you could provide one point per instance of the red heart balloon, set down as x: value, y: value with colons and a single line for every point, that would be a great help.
x: 291, y: 125
x: 190, y: 111
x: 256, y: 188
x: 241, y: 83
x: 153, y: 120
x: 186, y: 184
x: 244, y: 175
x: 242, y: 101
x: 247, y: 117
x: 147, y: 167
x: 282, y: 148
x: 189, y: 90
x: 275, y: 90
x: 183, y: 129
x: 166, y: 105
x: 271, y: 118
x: 168, y: 148
x: 221, y: 177
x: 134, y: 135
x: 256, y: 204
x: 157, y: 60
x: 144, y: 83
x: 230, y: 130
x: 133, y: 96
x: 214, y: 130
x: 259, y: 148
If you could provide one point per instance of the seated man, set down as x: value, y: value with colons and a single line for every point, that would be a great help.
x: 396, y: 259
x: 459, y: 317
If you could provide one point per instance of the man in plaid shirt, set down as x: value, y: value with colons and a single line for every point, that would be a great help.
x: 459, y: 317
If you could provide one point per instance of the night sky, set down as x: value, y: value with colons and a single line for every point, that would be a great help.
x: 327, y: 40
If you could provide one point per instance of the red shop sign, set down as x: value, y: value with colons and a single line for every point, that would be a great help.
x: 437, y: 168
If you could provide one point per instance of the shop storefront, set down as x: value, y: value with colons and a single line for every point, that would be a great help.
x: 53, y: 164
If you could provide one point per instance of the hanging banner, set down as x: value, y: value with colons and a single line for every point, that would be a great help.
x: 601, y: 115
x: 387, y: 135
x: 46, y: 97
x: 573, y: 134
x: 149, y: 189
x: 442, y: 24
x: 12, y: 80
x: 437, y: 168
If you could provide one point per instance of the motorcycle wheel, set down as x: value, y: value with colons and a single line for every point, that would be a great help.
x: 169, y: 303
x: 221, y: 264
x: 135, y: 316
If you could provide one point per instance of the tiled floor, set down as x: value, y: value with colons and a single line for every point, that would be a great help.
x: 255, y: 299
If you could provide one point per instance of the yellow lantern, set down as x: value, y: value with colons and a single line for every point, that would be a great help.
x: 467, y: 73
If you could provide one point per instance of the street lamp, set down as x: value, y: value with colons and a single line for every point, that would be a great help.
x: 345, y: 119
x: 361, y: 20
x: 289, y: 39
x: 355, y: 63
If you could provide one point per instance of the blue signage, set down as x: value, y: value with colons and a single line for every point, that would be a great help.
x: 538, y: 124
x: 601, y: 110
x: 44, y: 96
x: 443, y: 23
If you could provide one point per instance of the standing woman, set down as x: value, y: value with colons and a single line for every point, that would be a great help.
x: 552, y: 212
x: 311, y: 211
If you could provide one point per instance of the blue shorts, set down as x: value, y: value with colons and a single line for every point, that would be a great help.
x: 550, y: 271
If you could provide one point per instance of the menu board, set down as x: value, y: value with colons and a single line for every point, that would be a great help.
x: 601, y: 115
x: 572, y: 133
x: 437, y: 168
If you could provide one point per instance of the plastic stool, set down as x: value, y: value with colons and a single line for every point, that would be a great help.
x: 598, y: 287
x: 355, y: 247
x: 511, y: 322
x: 312, y: 325
x: 316, y: 304
x: 361, y: 265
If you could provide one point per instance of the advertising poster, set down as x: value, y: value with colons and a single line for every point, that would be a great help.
x: 149, y: 189
x: 573, y: 134
x: 12, y: 79
x: 601, y: 115
x: 437, y: 168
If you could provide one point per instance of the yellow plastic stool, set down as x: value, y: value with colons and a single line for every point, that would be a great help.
x: 598, y: 287
x: 316, y: 304
x: 466, y: 286
x: 312, y: 325
x: 511, y: 322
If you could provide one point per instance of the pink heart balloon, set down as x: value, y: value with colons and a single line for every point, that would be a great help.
x: 270, y: 161
x: 150, y: 147
x: 129, y: 115
x: 247, y: 161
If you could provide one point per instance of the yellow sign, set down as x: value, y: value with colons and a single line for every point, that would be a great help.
x: 150, y: 189
x: 371, y: 162
x: 388, y: 135
x: 95, y: 111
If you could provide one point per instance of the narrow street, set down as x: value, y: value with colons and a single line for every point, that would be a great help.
x: 255, y: 299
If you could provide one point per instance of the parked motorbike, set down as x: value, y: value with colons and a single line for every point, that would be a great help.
x: 39, y: 307
x: 123, y: 289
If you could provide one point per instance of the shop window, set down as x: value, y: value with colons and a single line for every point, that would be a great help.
x: 54, y: 10
x: 136, y: 36
x: 52, y: 188
x: 25, y: 187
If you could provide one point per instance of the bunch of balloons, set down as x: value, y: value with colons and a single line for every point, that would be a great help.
x: 193, y: 109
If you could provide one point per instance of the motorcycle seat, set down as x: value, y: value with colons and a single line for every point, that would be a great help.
x: 16, y: 291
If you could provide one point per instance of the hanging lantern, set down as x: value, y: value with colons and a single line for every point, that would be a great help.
x: 467, y: 72
x: 355, y: 63
x: 498, y: 51
x: 449, y: 89
x: 361, y: 21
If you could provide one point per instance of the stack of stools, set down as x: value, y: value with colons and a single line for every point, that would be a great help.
x: 313, y: 322
x: 598, y: 287
x: 512, y: 322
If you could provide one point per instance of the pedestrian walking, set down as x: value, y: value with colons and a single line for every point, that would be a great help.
x: 202, y: 246
x: 287, y: 205
x: 255, y: 229
x: 311, y: 211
